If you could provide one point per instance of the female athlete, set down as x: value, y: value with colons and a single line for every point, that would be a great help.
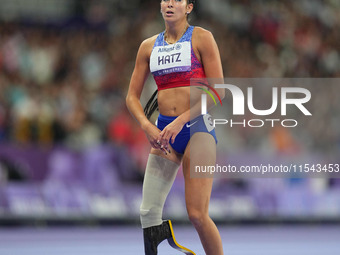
x: 175, y: 56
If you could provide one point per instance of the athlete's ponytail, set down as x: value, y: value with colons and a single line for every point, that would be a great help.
x: 151, y: 106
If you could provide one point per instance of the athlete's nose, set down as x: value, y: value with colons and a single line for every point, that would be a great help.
x: 170, y: 4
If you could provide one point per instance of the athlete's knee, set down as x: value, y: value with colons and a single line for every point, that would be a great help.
x: 146, y: 210
x: 150, y: 216
x: 197, y: 217
x: 143, y: 212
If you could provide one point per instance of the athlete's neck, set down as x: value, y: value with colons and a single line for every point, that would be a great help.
x: 175, y: 31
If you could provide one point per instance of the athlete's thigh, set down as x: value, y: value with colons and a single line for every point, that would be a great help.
x: 173, y: 155
x: 201, y: 151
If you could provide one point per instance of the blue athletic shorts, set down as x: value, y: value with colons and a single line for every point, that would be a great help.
x: 201, y: 123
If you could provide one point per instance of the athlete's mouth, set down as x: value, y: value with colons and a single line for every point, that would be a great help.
x: 169, y: 12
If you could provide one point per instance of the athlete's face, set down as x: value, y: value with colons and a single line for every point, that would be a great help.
x: 175, y: 9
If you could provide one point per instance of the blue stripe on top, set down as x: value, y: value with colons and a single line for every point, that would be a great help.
x: 186, y: 37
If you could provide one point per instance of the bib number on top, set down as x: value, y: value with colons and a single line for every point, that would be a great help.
x: 171, y: 58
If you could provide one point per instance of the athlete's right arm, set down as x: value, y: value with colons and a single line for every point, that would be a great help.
x: 138, y: 78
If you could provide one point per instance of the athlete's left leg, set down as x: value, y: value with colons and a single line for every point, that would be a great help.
x: 201, y: 151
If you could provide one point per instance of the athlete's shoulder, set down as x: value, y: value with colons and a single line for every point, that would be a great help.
x: 201, y: 33
x: 149, y: 42
x: 146, y: 46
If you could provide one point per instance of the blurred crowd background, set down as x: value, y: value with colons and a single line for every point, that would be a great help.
x: 68, y: 146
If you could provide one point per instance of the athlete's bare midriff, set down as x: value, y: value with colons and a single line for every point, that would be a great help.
x: 175, y: 101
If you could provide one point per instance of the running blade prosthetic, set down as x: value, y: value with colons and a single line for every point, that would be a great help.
x: 153, y: 236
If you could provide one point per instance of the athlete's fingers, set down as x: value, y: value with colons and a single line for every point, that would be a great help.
x: 163, y: 134
x: 173, y: 137
x: 165, y: 141
x: 168, y: 135
x: 163, y: 137
x: 167, y: 148
x: 161, y: 141
x: 164, y: 144
x: 157, y: 143
x: 161, y: 147
x: 154, y: 144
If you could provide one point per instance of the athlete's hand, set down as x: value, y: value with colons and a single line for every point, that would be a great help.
x: 153, y: 133
x: 170, y: 132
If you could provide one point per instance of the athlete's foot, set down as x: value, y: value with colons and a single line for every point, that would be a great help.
x: 153, y: 236
x: 173, y: 243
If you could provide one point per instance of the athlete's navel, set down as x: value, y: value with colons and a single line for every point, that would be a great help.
x: 174, y: 109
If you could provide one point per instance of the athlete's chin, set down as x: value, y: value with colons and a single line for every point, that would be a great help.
x: 171, y: 18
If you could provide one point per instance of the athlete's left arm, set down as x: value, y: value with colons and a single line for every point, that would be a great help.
x: 211, y: 61
x: 204, y: 42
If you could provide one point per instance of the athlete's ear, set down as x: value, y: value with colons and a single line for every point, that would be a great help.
x: 190, y: 7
